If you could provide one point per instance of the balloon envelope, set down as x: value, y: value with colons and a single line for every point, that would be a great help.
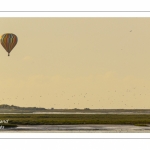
x: 9, y: 41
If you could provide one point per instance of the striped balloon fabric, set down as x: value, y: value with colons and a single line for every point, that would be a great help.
x: 9, y: 41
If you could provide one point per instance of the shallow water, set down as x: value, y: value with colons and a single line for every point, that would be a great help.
x: 80, y: 129
x: 125, y: 113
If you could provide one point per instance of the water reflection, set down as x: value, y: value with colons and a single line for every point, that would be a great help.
x: 80, y: 128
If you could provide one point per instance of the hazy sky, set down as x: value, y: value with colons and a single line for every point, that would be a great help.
x: 76, y: 63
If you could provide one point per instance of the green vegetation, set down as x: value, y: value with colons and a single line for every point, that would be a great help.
x: 8, y: 125
x: 68, y: 119
x: 4, y: 108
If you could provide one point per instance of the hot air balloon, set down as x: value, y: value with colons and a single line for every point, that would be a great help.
x: 9, y: 41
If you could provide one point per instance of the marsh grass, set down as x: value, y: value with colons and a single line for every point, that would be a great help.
x: 9, y: 125
x: 72, y: 119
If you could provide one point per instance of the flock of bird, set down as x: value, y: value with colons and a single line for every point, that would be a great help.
x: 89, y: 100
x: 76, y: 99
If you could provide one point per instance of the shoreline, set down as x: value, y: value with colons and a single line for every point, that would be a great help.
x: 79, y: 129
x: 94, y: 113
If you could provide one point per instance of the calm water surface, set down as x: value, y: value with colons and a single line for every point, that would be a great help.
x: 80, y: 129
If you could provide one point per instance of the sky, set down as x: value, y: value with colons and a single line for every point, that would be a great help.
x: 97, y: 63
